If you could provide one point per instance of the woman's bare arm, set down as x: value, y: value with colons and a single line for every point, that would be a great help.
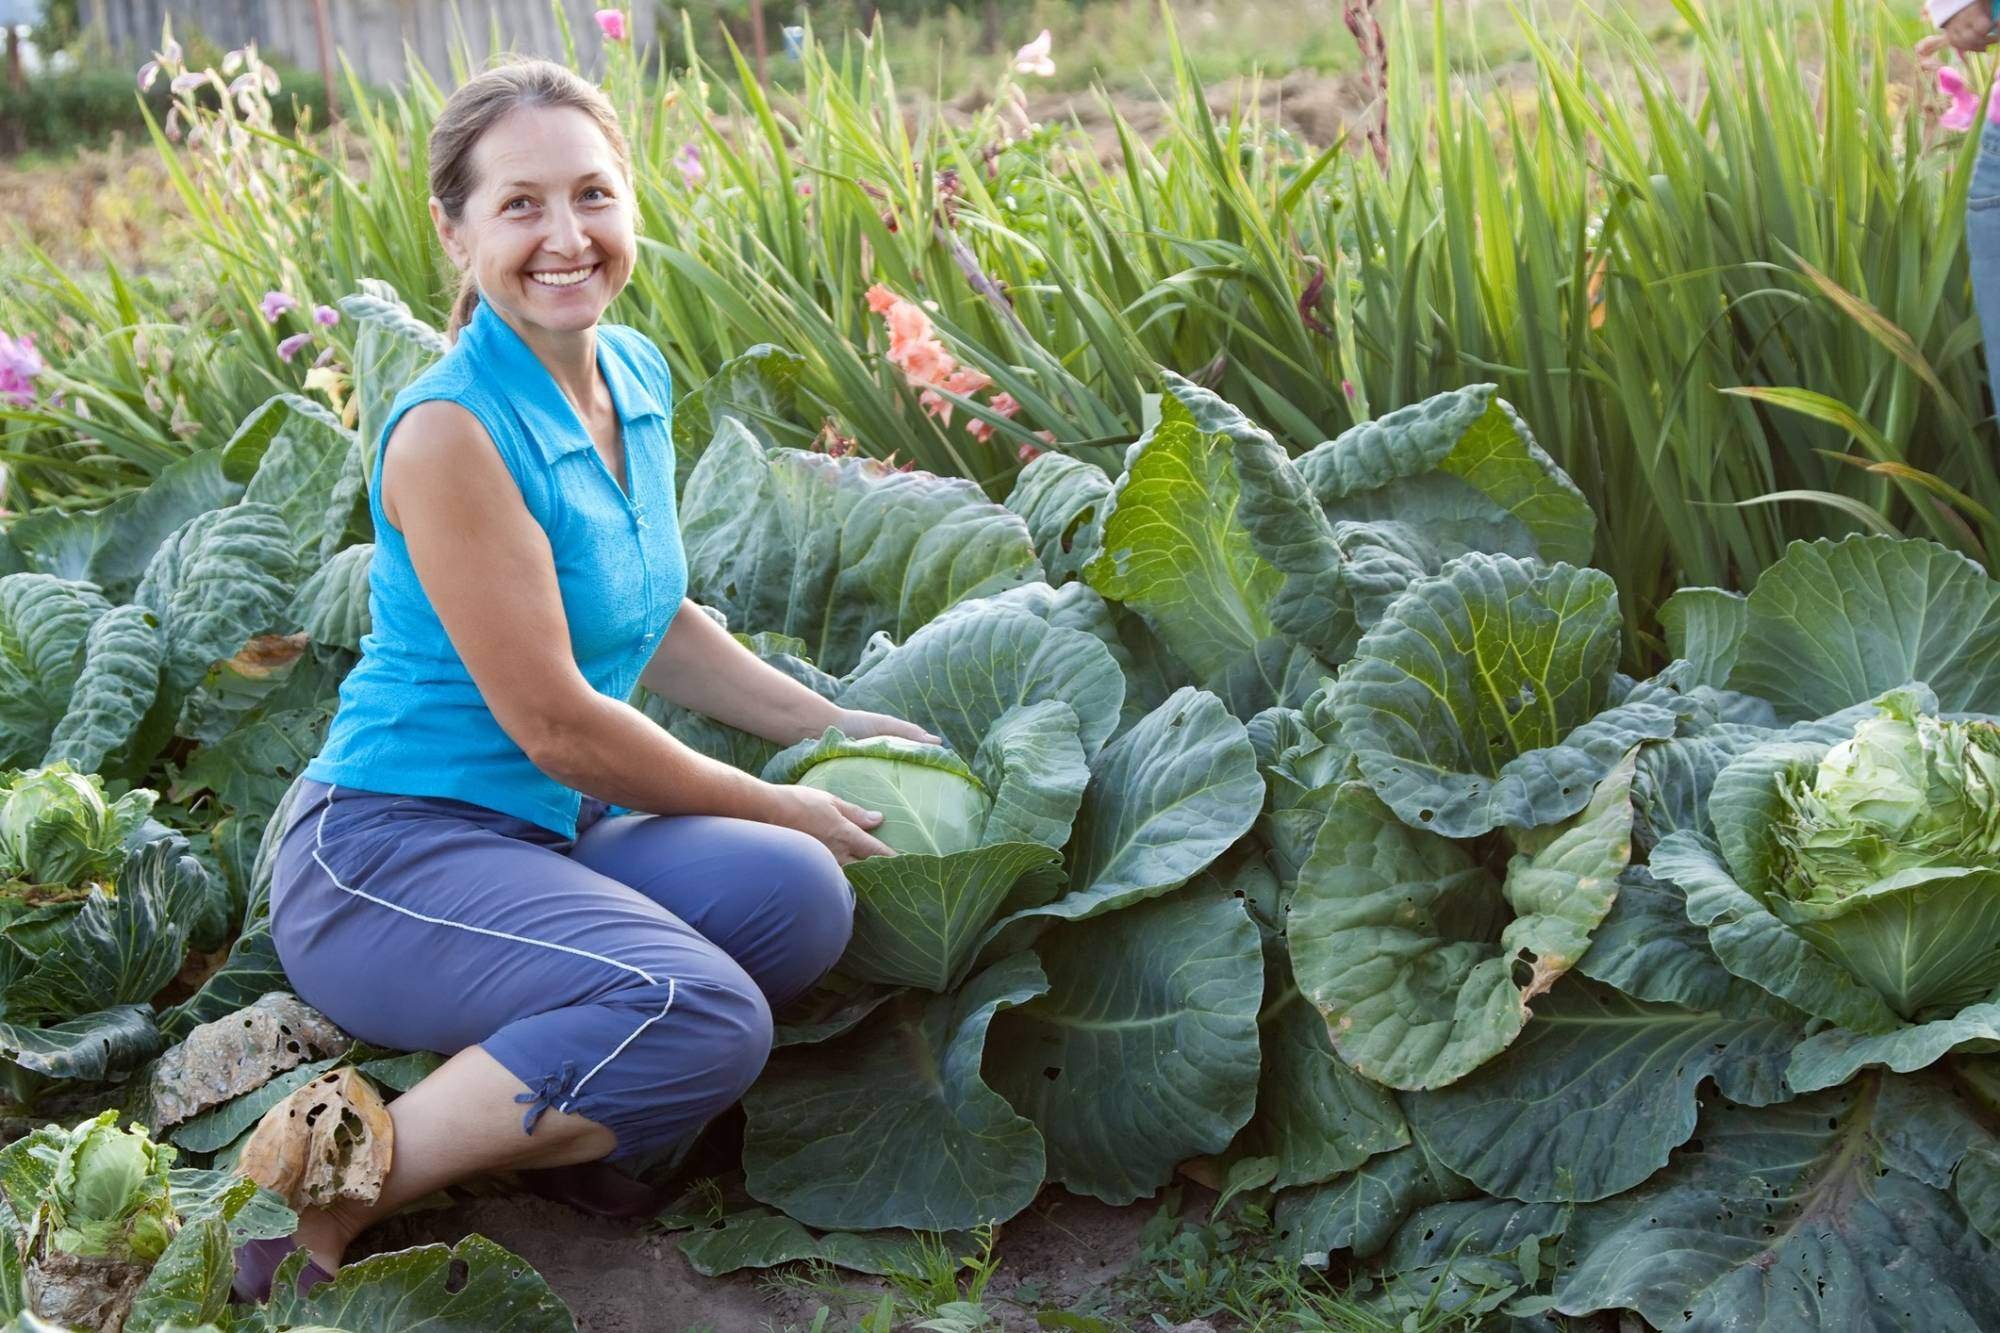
x: 486, y: 567
x: 699, y: 665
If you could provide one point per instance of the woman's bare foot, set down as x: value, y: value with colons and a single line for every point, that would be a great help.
x: 327, y: 1232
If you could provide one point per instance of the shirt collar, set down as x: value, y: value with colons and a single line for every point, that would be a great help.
x: 552, y: 422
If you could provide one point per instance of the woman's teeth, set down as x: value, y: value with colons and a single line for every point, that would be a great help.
x: 569, y: 279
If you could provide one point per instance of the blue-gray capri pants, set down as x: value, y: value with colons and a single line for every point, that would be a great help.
x: 627, y: 975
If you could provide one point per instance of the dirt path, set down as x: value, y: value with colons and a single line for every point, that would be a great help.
x: 618, y: 1278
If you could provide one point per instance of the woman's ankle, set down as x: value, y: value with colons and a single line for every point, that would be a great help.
x: 328, y: 1231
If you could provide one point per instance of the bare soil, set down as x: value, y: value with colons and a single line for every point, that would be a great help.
x: 620, y: 1277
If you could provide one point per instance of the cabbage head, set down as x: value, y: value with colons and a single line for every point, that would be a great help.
x: 109, y: 1196
x: 1903, y: 799
x: 928, y: 798
x: 1855, y: 872
x: 967, y: 834
x: 1884, y: 855
x: 58, y: 830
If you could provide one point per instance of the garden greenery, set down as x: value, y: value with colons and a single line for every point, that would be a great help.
x: 1338, y: 803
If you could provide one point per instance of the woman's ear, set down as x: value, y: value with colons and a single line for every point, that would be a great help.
x: 447, y: 234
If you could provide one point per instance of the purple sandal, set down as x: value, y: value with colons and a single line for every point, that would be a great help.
x: 257, y: 1263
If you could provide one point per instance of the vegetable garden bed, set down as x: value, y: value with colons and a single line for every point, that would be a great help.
x: 1296, y: 830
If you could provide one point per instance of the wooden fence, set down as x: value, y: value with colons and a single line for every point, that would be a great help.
x: 370, y: 33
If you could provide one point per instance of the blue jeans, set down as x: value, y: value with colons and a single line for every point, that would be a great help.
x: 1982, y: 244
x: 627, y: 974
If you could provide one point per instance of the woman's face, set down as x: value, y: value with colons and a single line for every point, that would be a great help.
x: 548, y: 229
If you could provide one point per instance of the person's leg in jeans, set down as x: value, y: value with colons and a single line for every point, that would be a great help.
x: 1982, y: 243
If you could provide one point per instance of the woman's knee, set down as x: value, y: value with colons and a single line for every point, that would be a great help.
x: 814, y: 890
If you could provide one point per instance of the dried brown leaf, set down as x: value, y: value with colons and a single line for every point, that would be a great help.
x: 331, y: 1139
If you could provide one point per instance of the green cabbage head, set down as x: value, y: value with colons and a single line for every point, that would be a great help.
x: 1883, y: 851
x: 929, y: 799
x: 109, y: 1197
x: 57, y: 828
x: 1906, y: 795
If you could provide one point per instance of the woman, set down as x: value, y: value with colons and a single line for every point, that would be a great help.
x: 1969, y: 27
x: 452, y: 877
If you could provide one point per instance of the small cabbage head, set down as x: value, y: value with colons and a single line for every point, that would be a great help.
x: 57, y: 828
x: 1886, y: 856
x: 929, y: 799
x: 109, y: 1197
x: 1906, y: 793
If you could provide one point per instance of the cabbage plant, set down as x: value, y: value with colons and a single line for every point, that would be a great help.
x: 1856, y: 877
x: 57, y: 830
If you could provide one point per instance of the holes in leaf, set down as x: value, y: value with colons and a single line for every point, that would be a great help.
x: 1427, y: 815
x: 1076, y: 525
x: 1052, y: 1073
x: 456, y: 1276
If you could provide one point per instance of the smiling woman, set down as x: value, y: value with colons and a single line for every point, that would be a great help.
x: 494, y: 856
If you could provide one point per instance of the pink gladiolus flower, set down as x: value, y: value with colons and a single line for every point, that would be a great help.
x: 1027, y: 453
x: 1034, y: 57
x: 20, y: 363
x: 881, y: 300
x: 1004, y: 404
x: 188, y: 82
x: 1964, y: 104
x: 147, y: 73
x: 936, y: 404
x: 967, y: 381
x: 925, y: 362
x: 325, y: 358
x: 289, y: 348
x: 611, y: 22
x: 275, y: 304
x: 688, y: 159
x: 1347, y: 387
x: 326, y: 314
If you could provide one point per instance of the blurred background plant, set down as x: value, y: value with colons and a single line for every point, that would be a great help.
x: 1713, y: 252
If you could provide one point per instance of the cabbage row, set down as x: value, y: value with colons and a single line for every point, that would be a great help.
x: 1294, y: 826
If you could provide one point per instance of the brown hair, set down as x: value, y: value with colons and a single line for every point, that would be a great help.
x: 474, y: 108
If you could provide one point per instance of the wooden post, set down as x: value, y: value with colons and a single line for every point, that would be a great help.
x: 14, y: 133
x: 326, y: 60
x: 757, y: 39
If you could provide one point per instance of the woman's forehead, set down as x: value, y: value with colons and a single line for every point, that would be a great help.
x: 543, y: 145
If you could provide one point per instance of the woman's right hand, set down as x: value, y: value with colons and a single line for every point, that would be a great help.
x: 841, y: 825
x: 1971, y: 28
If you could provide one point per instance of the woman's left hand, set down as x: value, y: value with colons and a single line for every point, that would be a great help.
x: 857, y: 725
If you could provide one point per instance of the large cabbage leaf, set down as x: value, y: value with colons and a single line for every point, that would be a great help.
x: 1144, y: 1050
x: 1457, y: 472
x: 1485, y: 696
x: 1402, y: 938
x: 757, y: 389
x: 44, y: 625
x: 1831, y: 1211
x: 1833, y: 624
x: 832, y: 550
x: 1175, y: 548
x: 391, y: 348
x: 892, y: 1125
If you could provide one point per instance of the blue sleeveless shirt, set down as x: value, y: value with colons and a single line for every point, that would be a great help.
x: 411, y: 721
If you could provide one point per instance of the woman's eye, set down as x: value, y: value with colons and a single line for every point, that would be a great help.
x: 521, y: 199
x: 598, y: 191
